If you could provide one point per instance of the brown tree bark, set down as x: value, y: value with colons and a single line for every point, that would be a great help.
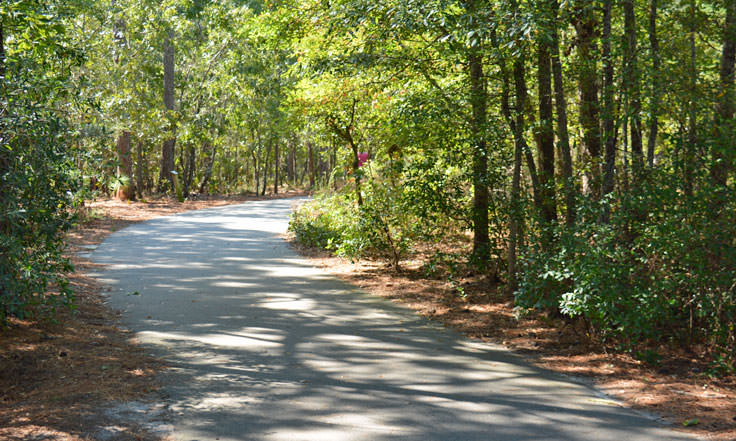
x: 189, y: 167
x: 276, y: 168
x: 310, y: 163
x: 165, y: 180
x: 516, y: 123
x: 256, y: 173
x: 208, y: 168
x: 545, y: 134
x: 655, y: 83
x: 126, y: 188
x: 609, y: 108
x: 265, y: 167
x: 139, y: 168
x: 478, y: 101
x: 632, y: 86
x: 722, y: 153
x: 563, y: 138
x: 586, y: 25
x: 692, y: 132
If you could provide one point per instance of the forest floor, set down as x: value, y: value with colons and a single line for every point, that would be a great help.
x: 57, y: 378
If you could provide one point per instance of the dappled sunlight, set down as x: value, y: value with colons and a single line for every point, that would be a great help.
x: 259, y: 342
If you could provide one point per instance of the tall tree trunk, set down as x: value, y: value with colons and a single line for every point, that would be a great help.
x: 165, y: 179
x: 655, y: 83
x: 189, y: 168
x: 516, y: 123
x: 290, y: 165
x: 722, y: 154
x: 276, y: 168
x: 256, y: 172
x: 126, y: 188
x: 310, y: 163
x: 545, y: 136
x: 478, y: 101
x: 265, y: 168
x: 139, y: 167
x: 585, y: 26
x: 632, y: 86
x: 4, y: 163
x: 208, y: 168
x: 2, y: 53
x: 562, y: 134
x: 609, y: 108
x: 692, y: 135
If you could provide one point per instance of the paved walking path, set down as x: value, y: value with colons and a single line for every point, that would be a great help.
x: 264, y: 347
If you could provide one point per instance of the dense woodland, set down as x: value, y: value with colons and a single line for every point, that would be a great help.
x: 582, y: 149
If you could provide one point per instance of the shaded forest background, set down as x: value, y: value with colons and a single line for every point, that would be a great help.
x: 579, y: 154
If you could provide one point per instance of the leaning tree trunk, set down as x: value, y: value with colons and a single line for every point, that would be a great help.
x: 165, y: 179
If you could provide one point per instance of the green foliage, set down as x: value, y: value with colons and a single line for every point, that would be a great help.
x: 383, y: 226
x: 661, y: 270
x: 324, y: 222
x: 38, y: 185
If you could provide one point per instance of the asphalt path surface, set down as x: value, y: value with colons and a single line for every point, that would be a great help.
x: 264, y: 347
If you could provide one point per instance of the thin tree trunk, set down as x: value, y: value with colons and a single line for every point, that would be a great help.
x: 256, y: 172
x: 276, y: 169
x: 516, y: 123
x: 692, y: 135
x: 310, y: 163
x: 722, y: 154
x: 189, y: 166
x: 139, y: 167
x: 4, y: 162
x: 208, y: 169
x: 126, y: 188
x: 609, y: 117
x: 562, y: 133
x: 478, y: 101
x: 265, y: 167
x: 656, y: 92
x: 632, y: 86
x: 165, y: 180
x: 545, y: 134
x: 585, y: 27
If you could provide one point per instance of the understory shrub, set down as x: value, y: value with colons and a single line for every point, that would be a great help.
x: 383, y: 226
x: 657, y: 272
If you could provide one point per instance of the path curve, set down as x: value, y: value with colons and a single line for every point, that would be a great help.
x: 264, y: 347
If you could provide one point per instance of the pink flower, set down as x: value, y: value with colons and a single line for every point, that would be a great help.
x: 362, y: 158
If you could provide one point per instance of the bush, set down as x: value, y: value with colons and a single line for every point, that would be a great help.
x: 383, y: 226
x: 663, y: 269
x: 36, y: 179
